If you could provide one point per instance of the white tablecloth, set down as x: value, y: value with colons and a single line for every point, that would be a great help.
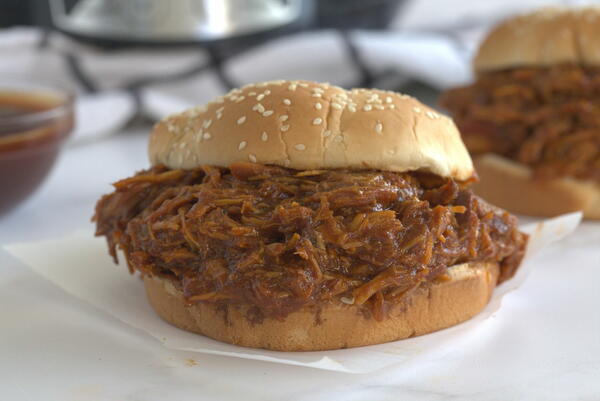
x: 544, y: 343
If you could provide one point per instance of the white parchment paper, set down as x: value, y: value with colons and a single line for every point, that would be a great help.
x: 79, y: 264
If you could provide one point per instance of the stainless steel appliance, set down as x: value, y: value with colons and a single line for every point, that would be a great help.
x: 172, y: 21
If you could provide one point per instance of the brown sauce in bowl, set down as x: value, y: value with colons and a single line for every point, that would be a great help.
x: 33, y: 125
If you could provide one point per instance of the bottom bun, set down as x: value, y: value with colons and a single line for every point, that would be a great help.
x: 509, y: 185
x: 431, y: 307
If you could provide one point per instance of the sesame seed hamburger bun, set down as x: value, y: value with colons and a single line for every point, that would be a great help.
x: 307, y: 125
x: 545, y: 37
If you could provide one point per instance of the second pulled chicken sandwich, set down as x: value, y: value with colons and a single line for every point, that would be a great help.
x: 532, y: 117
x: 299, y: 216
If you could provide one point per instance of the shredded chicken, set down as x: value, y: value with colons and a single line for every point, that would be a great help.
x: 545, y: 117
x: 278, y: 239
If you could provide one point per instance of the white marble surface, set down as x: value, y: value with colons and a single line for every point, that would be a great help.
x: 544, y: 343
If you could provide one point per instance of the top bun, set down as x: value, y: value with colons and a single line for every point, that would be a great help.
x: 546, y: 37
x: 307, y: 125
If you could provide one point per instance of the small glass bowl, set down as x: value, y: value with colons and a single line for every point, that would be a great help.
x: 35, y: 121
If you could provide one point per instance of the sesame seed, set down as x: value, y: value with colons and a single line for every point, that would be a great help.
x: 260, y: 97
x: 326, y: 133
x: 219, y: 115
x: 348, y: 301
x: 379, y: 128
x: 206, y: 123
x: 303, y: 84
x: 239, y: 99
x: 318, y: 106
x: 292, y: 87
x: 252, y: 158
x: 242, y: 145
x: 318, y: 90
x: 300, y: 146
x: 206, y: 135
x: 284, y: 128
x: 267, y: 113
x: 283, y: 117
x: 352, y: 108
x: 316, y: 95
x: 416, y: 109
x: 264, y: 136
x: 287, y: 102
x: 317, y: 121
x: 367, y: 107
x: 252, y: 93
x: 220, y: 109
x: 388, y: 99
x: 392, y: 106
x: 336, y: 106
x: 267, y: 92
x: 241, y: 120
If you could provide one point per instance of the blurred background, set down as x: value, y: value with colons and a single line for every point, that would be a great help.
x: 128, y: 63
x: 156, y: 57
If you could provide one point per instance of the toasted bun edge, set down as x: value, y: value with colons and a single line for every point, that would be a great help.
x: 431, y: 307
x: 509, y: 185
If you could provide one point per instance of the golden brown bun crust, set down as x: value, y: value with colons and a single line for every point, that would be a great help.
x: 509, y: 185
x: 429, y: 308
x: 546, y: 37
x: 307, y: 125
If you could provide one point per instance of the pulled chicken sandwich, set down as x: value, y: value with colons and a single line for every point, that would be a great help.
x: 299, y: 216
x: 532, y: 117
